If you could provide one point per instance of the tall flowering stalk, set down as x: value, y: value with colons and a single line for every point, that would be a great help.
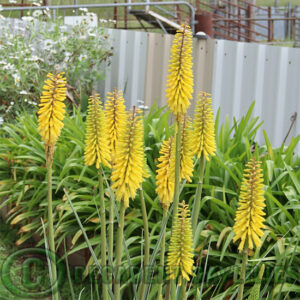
x: 115, y: 114
x: 128, y: 172
x: 52, y: 112
x: 180, y: 79
x: 165, y: 173
x: 250, y: 215
x: 127, y: 175
x: 96, y: 139
x: 179, y: 91
x: 97, y: 153
x: 165, y: 180
x: 180, y: 254
x: 186, y: 153
x: 204, y: 127
x: 51, y: 115
x: 204, y: 145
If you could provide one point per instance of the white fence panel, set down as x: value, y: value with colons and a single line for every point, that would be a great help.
x: 127, y: 70
x: 268, y: 75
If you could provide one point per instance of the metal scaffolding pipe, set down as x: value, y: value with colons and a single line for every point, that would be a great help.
x: 101, y: 5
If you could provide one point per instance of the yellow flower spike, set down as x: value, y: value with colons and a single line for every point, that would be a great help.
x: 250, y: 216
x: 180, y: 79
x: 186, y: 157
x: 204, y: 127
x: 165, y: 177
x: 52, y: 111
x: 96, y: 138
x: 180, y: 254
x: 115, y: 117
x: 128, y: 172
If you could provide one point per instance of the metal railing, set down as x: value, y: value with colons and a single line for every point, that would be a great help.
x: 106, y: 5
x: 239, y: 20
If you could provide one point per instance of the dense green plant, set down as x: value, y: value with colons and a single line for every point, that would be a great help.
x: 23, y: 188
x: 30, y: 48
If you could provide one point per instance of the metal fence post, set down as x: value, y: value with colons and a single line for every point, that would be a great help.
x: 249, y: 14
x: 125, y: 15
x: 270, y: 25
x: 76, y: 11
x: 116, y: 15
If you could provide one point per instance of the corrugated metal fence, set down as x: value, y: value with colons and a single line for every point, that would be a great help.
x: 244, y: 72
x: 139, y: 65
x: 235, y: 73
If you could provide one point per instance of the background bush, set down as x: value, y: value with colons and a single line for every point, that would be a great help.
x: 31, y: 48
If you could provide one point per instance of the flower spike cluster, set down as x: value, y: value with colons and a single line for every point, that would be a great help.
x: 250, y: 215
x: 52, y: 110
x: 204, y: 127
x: 165, y: 176
x: 115, y: 118
x: 96, y: 139
x: 180, y: 255
x: 128, y: 173
x: 180, y: 79
x: 186, y: 157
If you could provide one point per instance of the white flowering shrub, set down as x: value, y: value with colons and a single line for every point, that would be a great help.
x: 30, y: 49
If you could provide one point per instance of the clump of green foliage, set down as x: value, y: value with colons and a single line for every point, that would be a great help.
x: 24, y: 190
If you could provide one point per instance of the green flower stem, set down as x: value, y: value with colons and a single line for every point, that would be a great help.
x: 173, y: 289
x: 147, y: 243
x: 168, y: 290
x: 111, y: 230
x: 119, y: 247
x: 243, y: 272
x: 177, y: 170
x: 176, y: 191
x: 51, y: 232
x: 103, y: 237
x: 183, y: 290
x: 197, y: 200
x: 162, y: 254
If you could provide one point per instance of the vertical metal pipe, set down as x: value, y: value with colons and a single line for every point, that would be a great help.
x: 228, y: 17
x: 239, y: 23
x: 125, y: 16
x: 288, y: 22
x: 178, y: 14
x: 269, y: 24
x: 116, y: 15
x: 22, y: 12
x: 249, y: 13
x: 76, y: 11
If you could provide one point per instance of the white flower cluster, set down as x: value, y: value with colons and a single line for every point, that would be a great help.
x: 107, y: 21
x: 30, y: 102
x: 32, y: 48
